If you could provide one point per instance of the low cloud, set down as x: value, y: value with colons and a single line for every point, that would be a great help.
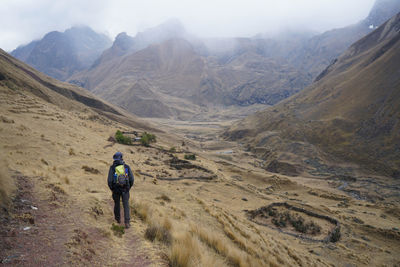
x: 25, y: 20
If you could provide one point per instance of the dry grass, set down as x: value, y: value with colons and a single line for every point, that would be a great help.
x: 159, y: 232
x: 7, y: 186
x: 185, y: 251
x: 141, y: 210
x: 164, y: 197
x: 230, y: 228
x: 66, y: 180
x: 232, y: 255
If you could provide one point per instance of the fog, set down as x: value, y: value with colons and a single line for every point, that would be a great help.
x: 25, y: 20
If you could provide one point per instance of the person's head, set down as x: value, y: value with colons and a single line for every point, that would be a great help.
x: 118, y: 156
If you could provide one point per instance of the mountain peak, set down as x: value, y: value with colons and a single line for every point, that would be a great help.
x: 123, y: 41
x: 170, y: 29
x: 60, y: 54
x: 381, y: 11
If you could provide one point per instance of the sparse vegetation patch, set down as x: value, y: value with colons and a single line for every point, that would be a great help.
x: 90, y: 169
x: 118, y: 230
x: 190, y: 156
x: 297, y: 222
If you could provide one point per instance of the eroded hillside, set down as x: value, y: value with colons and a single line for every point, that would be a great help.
x: 349, y: 112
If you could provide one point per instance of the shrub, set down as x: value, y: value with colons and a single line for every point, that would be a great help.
x: 190, y: 156
x: 172, y: 149
x: 71, y: 152
x: 313, y: 228
x: 147, y: 138
x: 335, y: 235
x: 298, y: 224
x: 271, y: 212
x: 122, y: 139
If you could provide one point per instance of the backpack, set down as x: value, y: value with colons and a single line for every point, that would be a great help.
x: 121, y: 176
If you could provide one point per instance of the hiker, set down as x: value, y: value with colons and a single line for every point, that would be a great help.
x: 120, y: 181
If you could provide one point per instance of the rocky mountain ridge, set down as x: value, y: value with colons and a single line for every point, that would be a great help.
x: 61, y: 54
x: 349, y: 112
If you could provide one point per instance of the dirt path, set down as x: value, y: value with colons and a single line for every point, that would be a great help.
x: 49, y: 230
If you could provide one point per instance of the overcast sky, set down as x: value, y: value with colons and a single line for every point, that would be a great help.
x: 22, y: 21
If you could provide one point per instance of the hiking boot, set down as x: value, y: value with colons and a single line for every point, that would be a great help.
x: 127, y: 225
x: 118, y: 220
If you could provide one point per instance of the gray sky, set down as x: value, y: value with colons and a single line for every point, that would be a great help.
x: 22, y: 21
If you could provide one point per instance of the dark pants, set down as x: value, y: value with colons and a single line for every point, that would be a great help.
x: 117, y: 206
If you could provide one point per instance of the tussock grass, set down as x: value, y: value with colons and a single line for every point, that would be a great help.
x: 185, y: 251
x: 157, y: 229
x: 233, y: 256
x: 187, y: 246
x: 141, y: 210
x: 230, y: 228
x: 159, y: 232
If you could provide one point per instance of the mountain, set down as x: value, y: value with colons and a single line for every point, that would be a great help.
x: 154, y: 81
x: 319, y: 51
x: 60, y: 54
x: 186, y: 74
x: 350, y: 111
x: 125, y: 44
x: 16, y: 76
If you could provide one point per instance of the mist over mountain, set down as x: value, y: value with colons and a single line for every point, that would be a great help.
x: 351, y: 111
x: 218, y: 71
x: 319, y: 51
x: 184, y: 73
x: 60, y: 54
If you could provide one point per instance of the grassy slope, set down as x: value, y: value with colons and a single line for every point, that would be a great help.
x: 196, y: 223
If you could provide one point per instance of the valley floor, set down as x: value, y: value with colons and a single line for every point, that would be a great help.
x: 185, y: 213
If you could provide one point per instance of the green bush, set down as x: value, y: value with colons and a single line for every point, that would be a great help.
x: 172, y: 149
x: 147, y: 138
x: 122, y: 139
x: 190, y: 156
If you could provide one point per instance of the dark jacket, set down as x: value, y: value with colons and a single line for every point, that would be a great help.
x: 110, y: 179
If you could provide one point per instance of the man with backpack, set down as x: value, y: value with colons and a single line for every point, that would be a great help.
x: 120, y: 181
